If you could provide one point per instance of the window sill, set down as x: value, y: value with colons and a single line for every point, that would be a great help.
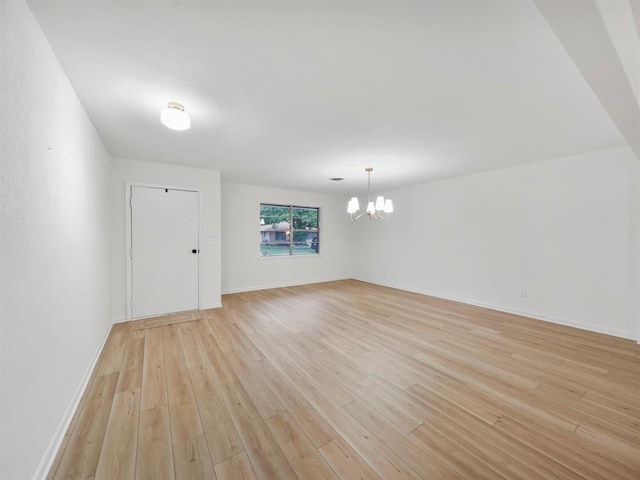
x: 272, y: 257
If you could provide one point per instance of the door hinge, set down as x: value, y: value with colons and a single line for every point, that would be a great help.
x: 131, y: 253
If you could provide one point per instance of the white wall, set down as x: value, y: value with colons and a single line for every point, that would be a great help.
x: 617, y: 16
x: 54, y: 270
x: 242, y: 267
x: 208, y: 181
x: 634, y: 243
x: 558, y: 229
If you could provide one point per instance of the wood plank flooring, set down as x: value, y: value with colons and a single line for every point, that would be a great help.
x: 347, y: 380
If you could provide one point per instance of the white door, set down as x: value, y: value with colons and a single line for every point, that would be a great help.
x: 164, y: 251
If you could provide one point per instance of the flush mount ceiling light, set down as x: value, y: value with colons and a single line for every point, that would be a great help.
x: 382, y: 209
x: 175, y: 117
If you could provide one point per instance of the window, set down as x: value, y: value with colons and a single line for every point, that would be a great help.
x: 289, y: 230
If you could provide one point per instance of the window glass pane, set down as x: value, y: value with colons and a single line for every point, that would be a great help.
x: 274, y: 230
x: 305, y: 233
x: 305, y: 218
x: 305, y: 242
x: 273, y: 215
x: 272, y: 249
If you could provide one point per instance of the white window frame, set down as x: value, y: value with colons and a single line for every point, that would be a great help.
x: 291, y: 242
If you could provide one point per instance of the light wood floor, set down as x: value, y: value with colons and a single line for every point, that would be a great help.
x: 349, y: 380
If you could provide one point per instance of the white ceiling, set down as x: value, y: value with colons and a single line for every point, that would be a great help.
x: 288, y: 94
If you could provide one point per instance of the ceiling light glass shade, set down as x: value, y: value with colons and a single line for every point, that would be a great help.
x: 381, y: 209
x: 370, y: 208
x: 353, y: 205
x: 175, y: 117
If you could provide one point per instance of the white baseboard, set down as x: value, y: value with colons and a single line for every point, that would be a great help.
x: 279, y: 285
x: 56, y: 441
x: 515, y: 311
x: 124, y: 319
x: 213, y: 305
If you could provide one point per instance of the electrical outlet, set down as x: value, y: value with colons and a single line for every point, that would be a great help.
x: 523, y: 293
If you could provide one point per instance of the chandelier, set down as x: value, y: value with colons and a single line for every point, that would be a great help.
x: 379, y: 210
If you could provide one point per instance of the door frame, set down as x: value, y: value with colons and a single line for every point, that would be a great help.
x: 127, y: 251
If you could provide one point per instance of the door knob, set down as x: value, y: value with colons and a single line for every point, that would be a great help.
x: 194, y: 251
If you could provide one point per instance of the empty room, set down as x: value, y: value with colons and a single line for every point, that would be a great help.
x: 318, y: 239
